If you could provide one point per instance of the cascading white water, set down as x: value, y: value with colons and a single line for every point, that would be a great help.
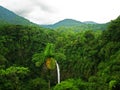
x: 58, y: 72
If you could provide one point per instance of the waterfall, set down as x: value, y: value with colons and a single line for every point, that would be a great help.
x: 58, y: 72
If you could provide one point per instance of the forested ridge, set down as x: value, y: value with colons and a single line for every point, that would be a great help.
x: 9, y: 17
x: 72, y: 25
x: 88, y: 60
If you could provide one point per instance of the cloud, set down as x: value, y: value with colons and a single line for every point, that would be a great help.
x: 32, y: 6
x: 24, y: 7
x: 23, y: 12
x: 43, y: 6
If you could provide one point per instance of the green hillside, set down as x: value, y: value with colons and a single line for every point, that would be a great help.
x: 70, y: 25
x: 7, y: 16
x: 67, y: 22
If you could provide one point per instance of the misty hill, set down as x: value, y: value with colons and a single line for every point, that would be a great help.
x: 64, y: 23
x: 90, y: 22
x: 7, y: 16
x: 67, y: 22
x: 74, y: 25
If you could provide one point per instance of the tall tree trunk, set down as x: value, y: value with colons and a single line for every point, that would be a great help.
x: 48, y: 84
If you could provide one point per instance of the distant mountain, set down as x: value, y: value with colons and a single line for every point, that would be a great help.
x: 89, y: 22
x: 67, y: 22
x: 74, y: 25
x: 7, y: 16
x: 64, y: 23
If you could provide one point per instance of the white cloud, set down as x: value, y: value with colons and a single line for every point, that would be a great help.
x: 51, y: 11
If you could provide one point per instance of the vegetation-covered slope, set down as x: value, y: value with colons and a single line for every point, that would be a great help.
x: 70, y: 25
x: 7, y: 16
x: 88, y: 60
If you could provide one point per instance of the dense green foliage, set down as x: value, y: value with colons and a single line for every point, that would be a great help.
x: 88, y: 60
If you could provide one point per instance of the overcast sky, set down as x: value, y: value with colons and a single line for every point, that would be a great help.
x: 51, y: 11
